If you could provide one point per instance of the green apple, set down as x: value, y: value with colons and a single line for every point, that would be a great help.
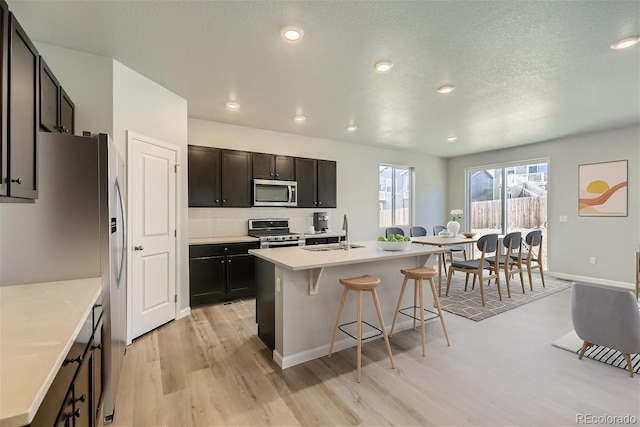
x: 399, y: 237
x: 407, y: 238
x: 382, y: 239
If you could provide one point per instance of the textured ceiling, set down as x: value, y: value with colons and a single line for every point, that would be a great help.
x: 524, y: 71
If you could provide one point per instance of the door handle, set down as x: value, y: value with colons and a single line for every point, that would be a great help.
x: 138, y: 248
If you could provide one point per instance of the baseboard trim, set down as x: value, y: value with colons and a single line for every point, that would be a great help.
x: 323, y: 350
x: 594, y: 281
x: 184, y: 312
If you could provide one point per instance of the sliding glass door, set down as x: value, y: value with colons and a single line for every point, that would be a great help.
x: 509, y: 197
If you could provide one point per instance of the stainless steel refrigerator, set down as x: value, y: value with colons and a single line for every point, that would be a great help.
x: 75, y: 229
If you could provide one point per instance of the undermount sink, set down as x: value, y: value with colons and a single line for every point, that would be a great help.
x: 330, y: 247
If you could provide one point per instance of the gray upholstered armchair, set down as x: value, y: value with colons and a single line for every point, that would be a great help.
x: 606, y: 317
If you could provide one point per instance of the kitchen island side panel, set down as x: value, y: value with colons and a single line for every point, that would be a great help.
x: 265, y: 302
x: 308, y: 320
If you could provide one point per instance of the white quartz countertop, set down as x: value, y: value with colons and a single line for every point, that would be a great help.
x: 297, y: 258
x: 217, y: 240
x: 38, y: 324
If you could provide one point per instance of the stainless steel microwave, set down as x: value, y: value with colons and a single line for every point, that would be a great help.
x: 269, y: 192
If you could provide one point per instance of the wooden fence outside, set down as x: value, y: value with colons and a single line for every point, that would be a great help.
x: 522, y: 212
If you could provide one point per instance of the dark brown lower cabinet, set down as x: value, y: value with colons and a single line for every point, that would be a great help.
x: 73, y: 397
x: 221, y: 272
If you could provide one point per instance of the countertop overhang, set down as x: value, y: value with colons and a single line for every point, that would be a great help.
x: 298, y: 258
x: 38, y: 325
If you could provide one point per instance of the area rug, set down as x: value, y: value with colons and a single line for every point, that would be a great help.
x: 571, y: 342
x: 468, y: 304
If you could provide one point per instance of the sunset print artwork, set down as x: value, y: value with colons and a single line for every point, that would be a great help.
x: 603, y: 189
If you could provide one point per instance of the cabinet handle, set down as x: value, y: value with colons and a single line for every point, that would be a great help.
x: 217, y: 200
x: 76, y: 413
x: 271, y: 174
x: 77, y: 360
x: 97, y: 305
x: 81, y: 399
x: 277, y: 175
x: 17, y: 181
x: 224, y: 201
x: 222, y: 262
x: 97, y: 347
x: 205, y: 257
x: 319, y: 203
x: 138, y: 248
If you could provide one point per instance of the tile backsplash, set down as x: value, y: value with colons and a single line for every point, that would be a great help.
x: 227, y: 222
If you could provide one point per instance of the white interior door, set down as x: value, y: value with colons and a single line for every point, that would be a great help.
x: 152, y: 212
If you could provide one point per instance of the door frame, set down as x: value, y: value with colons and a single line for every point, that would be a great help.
x: 176, y: 149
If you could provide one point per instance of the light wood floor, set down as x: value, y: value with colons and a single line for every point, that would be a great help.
x: 210, y: 369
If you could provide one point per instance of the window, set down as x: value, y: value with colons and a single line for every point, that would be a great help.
x: 395, y: 195
x: 508, y: 198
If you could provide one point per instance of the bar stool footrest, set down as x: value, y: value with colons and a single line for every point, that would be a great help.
x: 435, y: 314
x: 364, y: 323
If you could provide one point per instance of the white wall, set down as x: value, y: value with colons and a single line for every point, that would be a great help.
x: 357, y: 181
x: 142, y: 106
x: 612, y: 240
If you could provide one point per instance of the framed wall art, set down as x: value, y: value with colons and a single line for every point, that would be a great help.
x: 602, y: 189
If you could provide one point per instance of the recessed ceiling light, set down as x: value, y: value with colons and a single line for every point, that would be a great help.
x: 292, y: 33
x: 452, y: 138
x: 299, y: 118
x: 352, y: 128
x: 626, y: 43
x: 232, y: 106
x: 383, y: 66
x: 446, y: 89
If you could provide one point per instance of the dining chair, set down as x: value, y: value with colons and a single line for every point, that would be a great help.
x: 511, y: 261
x: 533, y: 246
x: 393, y: 230
x: 453, y: 248
x: 417, y: 231
x: 488, y: 246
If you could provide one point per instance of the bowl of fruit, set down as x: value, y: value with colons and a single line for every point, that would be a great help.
x: 395, y: 242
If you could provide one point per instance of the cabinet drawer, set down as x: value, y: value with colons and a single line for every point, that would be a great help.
x: 200, y: 251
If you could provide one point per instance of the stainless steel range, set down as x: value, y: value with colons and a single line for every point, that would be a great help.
x: 274, y: 233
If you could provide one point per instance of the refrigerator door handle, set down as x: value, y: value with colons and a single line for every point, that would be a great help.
x: 124, y: 232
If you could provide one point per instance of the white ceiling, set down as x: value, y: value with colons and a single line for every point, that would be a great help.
x: 524, y: 71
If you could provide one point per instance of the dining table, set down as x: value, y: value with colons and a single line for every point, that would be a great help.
x: 443, y: 241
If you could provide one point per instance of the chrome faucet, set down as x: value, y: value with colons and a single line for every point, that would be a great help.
x: 345, y: 227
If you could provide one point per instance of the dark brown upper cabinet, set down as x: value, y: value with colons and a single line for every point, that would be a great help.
x: 204, y: 176
x: 4, y: 80
x: 273, y: 166
x: 67, y: 113
x: 317, y: 185
x: 49, y: 98
x: 327, y: 184
x: 219, y: 178
x: 23, y: 115
x: 235, y: 181
x: 56, y: 107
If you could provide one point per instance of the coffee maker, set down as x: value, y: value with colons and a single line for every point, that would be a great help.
x: 321, y: 221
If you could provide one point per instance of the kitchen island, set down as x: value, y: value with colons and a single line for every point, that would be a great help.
x: 298, y: 294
